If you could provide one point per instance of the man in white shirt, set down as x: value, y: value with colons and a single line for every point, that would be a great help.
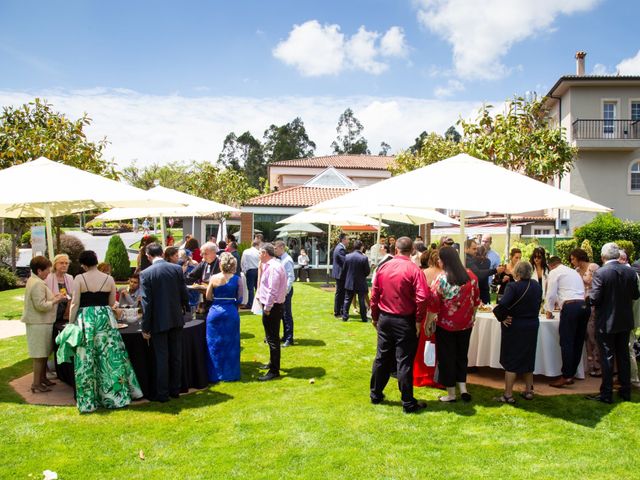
x: 565, y: 289
x: 287, y: 314
x: 249, y: 265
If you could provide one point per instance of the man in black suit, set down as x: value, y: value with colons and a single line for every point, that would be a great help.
x: 613, y: 289
x: 164, y: 300
x: 356, y: 269
x: 339, y: 255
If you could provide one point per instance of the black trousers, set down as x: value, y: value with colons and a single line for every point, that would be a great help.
x: 573, y: 329
x: 452, y: 348
x: 348, y: 297
x: 338, y: 302
x: 397, y: 345
x: 167, y: 352
x: 614, y: 345
x: 287, y: 318
x: 271, y: 324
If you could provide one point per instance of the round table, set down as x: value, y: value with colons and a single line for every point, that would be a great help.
x: 484, y: 346
x: 194, y: 357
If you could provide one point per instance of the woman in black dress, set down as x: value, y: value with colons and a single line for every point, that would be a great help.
x: 503, y: 278
x: 522, y: 299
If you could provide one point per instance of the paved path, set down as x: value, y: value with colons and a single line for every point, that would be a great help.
x: 11, y: 328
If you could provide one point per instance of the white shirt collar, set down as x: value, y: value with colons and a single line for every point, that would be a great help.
x: 157, y: 259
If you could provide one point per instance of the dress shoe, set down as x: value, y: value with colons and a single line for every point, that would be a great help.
x: 377, y: 401
x: 39, y: 388
x: 48, y: 382
x: 174, y: 395
x: 265, y: 366
x: 288, y: 343
x: 561, y: 382
x: 625, y: 398
x: 162, y: 399
x: 466, y: 397
x: 345, y: 319
x: 268, y: 376
x: 599, y: 398
x: 418, y: 406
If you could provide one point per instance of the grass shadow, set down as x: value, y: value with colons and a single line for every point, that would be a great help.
x: 246, y: 335
x: 206, y: 397
x: 310, y: 342
x: 7, y: 374
x: 305, y: 372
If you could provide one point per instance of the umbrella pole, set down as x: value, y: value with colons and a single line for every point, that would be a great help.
x: 328, y: 251
x: 47, y: 219
x: 462, y: 236
x: 507, y: 246
x: 163, y: 231
x: 377, y: 251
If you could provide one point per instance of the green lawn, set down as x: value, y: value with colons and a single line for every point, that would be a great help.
x: 292, y: 428
x: 11, y: 304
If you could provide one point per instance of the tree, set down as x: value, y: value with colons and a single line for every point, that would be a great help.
x: 384, y: 149
x: 172, y: 175
x: 417, y: 145
x: 453, y: 134
x: 118, y: 258
x: 521, y: 139
x: 244, y: 153
x: 225, y: 186
x: 287, y: 142
x: 349, y: 139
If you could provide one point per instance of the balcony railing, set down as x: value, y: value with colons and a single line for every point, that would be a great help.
x: 606, y: 129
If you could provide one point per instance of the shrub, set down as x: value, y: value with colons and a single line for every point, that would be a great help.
x: 627, y: 246
x: 5, y: 249
x: 242, y: 247
x: 602, y: 229
x: 73, y: 247
x: 8, y: 280
x: 563, y: 249
x: 526, y: 248
x: 118, y: 257
x: 26, y: 238
x: 586, y: 246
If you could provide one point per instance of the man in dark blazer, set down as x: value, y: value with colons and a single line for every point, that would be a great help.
x: 210, y: 265
x: 339, y: 255
x: 164, y: 299
x: 356, y: 270
x: 613, y: 289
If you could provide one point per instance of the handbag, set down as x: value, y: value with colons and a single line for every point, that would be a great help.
x: 501, y: 312
x: 430, y: 354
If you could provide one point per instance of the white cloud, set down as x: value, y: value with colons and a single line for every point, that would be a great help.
x: 175, y: 128
x: 600, y: 69
x: 452, y: 87
x: 393, y: 43
x: 482, y: 35
x: 630, y: 66
x: 316, y: 50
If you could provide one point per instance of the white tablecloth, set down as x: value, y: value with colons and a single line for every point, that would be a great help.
x: 484, y: 347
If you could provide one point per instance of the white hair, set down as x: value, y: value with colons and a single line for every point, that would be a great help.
x: 610, y: 251
x: 209, y: 246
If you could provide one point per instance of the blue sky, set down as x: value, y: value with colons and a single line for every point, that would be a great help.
x: 168, y: 80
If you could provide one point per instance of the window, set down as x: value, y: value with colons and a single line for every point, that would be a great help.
x: 542, y: 231
x: 609, y: 115
x: 634, y: 177
x: 635, y: 110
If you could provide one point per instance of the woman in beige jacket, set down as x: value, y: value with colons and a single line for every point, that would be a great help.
x: 40, y: 305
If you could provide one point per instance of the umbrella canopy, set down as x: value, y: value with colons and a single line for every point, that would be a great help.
x: 298, y: 228
x: 334, y: 218
x: 44, y: 188
x: 459, y: 183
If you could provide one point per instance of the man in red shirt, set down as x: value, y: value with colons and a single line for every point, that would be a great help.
x: 398, y: 306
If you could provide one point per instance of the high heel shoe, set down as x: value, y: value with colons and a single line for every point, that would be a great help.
x: 48, y: 382
x: 39, y: 389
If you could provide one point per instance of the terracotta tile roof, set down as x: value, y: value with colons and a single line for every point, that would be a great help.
x: 299, y: 196
x: 514, y: 219
x: 370, y: 162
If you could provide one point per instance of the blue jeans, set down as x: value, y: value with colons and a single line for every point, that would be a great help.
x: 287, y: 318
x: 252, y: 283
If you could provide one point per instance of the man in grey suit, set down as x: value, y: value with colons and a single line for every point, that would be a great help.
x: 613, y: 289
x: 356, y: 269
x: 164, y: 300
x: 339, y: 254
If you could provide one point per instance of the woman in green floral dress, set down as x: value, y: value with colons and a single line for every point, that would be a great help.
x: 103, y: 374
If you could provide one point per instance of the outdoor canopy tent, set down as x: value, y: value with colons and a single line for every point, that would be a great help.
x: 195, y: 207
x: 44, y: 188
x: 458, y: 183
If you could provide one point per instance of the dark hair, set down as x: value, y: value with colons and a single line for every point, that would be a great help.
x: 136, y: 275
x: 88, y: 258
x: 192, y: 244
x: 419, y: 246
x: 39, y: 263
x: 233, y: 245
x: 357, y: 245
x: 514, y: 251
x: 404, y: 245
x: 481, y: 253
x: 342, y: 236
x: 222, y: 244
x: 230, y: 238
x: 424, y: 258
x: 456, y: 273
x: 468, y: 242
x: 169, y: 252
x: 539, y: 251
x: 579, y: 254
x: 386, y: 247
x: 154, y: 250
x: 554, y: 260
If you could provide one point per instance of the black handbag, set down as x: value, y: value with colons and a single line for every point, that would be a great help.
x: 501, y: 312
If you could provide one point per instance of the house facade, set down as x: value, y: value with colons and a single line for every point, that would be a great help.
x: 601, y: 116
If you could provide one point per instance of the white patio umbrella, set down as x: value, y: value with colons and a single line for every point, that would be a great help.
x: 191, y: 206
x: 459, y: 183
x: 293, y: 229
x: 44, y: 188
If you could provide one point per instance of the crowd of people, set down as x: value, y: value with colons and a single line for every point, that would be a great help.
x: 423, y: 305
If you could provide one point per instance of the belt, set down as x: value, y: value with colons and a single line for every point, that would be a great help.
x: 576, y: 300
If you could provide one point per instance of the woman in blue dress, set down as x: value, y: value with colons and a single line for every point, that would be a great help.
x: 223, y: 322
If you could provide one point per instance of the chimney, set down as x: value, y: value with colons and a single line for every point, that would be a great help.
x: 580, y: 63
